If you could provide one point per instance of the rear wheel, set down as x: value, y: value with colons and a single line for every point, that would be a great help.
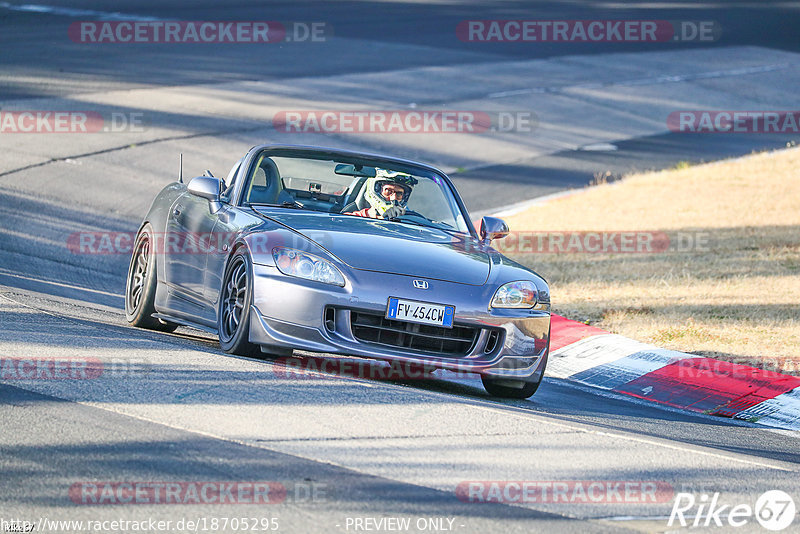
x: 140, y: 289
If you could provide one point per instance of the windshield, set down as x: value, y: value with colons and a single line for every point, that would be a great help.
x: 406, y: 195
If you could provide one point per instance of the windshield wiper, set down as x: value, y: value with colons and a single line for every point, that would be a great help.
x: 286, y: 204
x: 430, y: 224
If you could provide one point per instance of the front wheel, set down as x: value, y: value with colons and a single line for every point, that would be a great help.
x: 140, y: 289
x: 497, y: 388
x: 235, y: 301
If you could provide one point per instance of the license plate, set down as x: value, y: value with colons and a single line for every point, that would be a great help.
x: 414, y: 311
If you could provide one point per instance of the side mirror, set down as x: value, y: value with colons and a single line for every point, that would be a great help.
x: 209, y: 188
x: 493, y: 228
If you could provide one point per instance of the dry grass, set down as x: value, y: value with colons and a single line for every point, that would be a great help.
x: 736, y: 298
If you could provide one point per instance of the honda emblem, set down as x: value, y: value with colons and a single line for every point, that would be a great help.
x: 421, y: 284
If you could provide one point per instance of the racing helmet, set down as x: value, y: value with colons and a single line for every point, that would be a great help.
x: 374, y: 189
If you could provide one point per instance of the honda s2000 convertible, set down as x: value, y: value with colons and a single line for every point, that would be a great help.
x: 340, y: 252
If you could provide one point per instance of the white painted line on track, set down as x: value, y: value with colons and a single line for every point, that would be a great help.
x: 599, y: 147
x: 4, y: 272
x: 655, y: 80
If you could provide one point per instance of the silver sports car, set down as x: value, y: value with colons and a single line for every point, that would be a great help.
x: 340, y: 252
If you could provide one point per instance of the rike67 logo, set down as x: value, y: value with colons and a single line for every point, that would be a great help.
x: 774, y: 510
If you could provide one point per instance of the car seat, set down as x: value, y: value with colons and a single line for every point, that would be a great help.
x: 266, y: 186
x: 358, y: 201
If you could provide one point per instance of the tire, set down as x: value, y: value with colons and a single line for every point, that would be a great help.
x: 140, y: 287
x: 235, y: 302
x: 495, y: 389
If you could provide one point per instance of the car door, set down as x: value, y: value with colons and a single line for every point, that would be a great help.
x: 230, y: 224
x: 189, y: 226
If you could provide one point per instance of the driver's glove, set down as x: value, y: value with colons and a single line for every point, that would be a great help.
x: 394, y: 211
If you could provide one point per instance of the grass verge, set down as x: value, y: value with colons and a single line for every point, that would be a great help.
x: 725, y: 285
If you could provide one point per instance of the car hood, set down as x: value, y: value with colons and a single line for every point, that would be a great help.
x: 391, y: 247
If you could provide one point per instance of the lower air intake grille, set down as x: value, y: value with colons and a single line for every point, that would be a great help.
x: 375, y: 328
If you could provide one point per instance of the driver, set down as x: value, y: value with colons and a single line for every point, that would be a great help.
x: 387, y: 194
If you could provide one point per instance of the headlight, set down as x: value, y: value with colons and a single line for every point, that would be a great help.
x: 520, y: 294
x: 295, y: 263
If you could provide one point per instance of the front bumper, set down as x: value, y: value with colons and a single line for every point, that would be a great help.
x: 290, y: 312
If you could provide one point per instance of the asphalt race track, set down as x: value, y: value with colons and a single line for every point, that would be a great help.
x: 174, y: 408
